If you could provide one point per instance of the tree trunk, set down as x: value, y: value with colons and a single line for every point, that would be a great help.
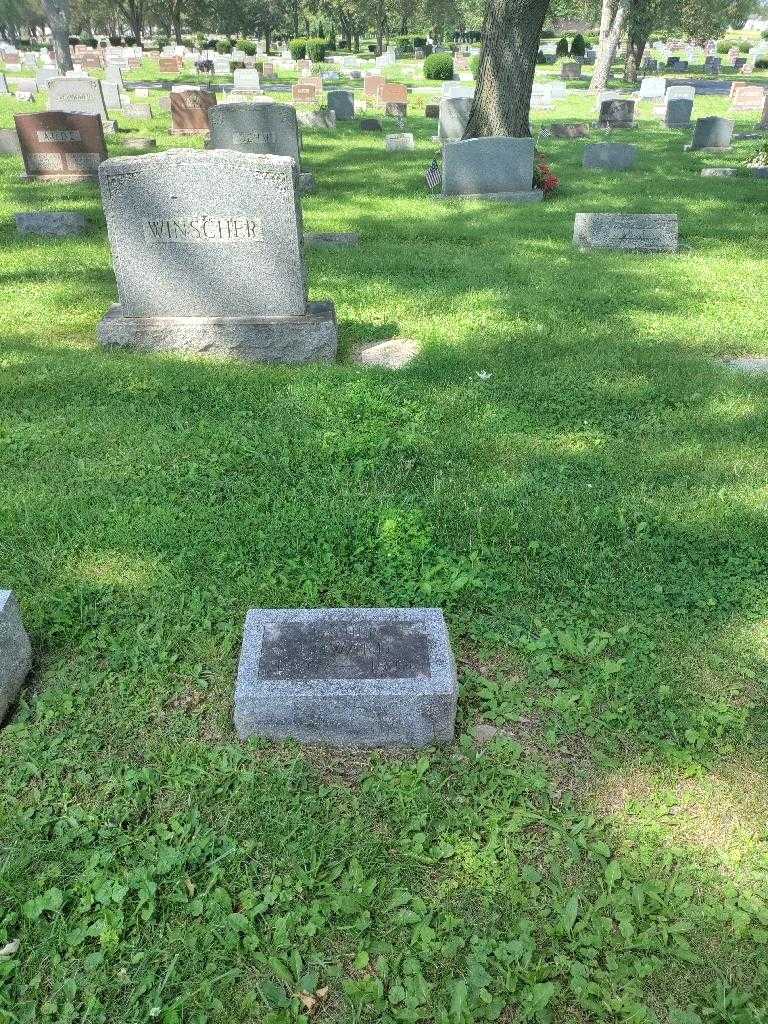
x: 608, y: 46
x: 176, y: 18
x: 267, y: 40
x: 635, y: 51
x: 57, y: 15
x: 502, y: 103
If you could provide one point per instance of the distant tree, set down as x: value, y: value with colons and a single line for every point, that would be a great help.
x: 57, y: 15
x: 612, y: 21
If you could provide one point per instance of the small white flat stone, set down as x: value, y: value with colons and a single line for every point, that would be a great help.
x: 392, y: 354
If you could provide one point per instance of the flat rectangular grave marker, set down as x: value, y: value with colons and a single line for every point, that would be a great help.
x: 366, y: 677
x: 632, y: 232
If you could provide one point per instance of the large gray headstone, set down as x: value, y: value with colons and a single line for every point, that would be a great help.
x: 368, y: 677
x: 255, y: 128
x: 712, y: 133
x: 488, y: 166
x: 617, y: 113
x: 342, y: 103
x: 77, y: 96
x: 205, y: 234
x: 453, y: 118
x: 632, y: 232
x: 610, y: 156
x: 15, y: 651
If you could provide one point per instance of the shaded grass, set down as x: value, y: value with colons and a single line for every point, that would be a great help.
x: 592, y: 518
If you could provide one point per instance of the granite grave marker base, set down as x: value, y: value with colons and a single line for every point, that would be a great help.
x: 15, y: 652
x: 51, y: 225
x: 308, y: 338
x: 359, y: 677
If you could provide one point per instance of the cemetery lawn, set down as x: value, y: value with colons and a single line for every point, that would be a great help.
x: 566, y: 469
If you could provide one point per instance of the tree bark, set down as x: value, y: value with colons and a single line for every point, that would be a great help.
x: 635, y: 51
x: 502, y: 101
x: 609, y: 45
x: 57, y: 15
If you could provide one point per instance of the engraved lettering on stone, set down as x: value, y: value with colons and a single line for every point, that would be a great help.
x: 199, y: 230
x: 43, y: 163
x: 53, y: 135
x: 251, y: 138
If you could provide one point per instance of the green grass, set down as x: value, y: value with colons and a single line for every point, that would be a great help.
x: 592, y: 518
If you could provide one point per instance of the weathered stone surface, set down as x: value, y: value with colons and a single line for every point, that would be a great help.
x: 748, y: 364
x: 488, y: 166
x: 311, y: 337
x: 610, y: 156
x: 58, y: 146
x: 54, y: 225
x: 370, y: 124
x: 570, y: 72
x: 368, y: 677
x: 719, y: 172
x: 454, y: 115
x: 322, y: 119
x: 633, y: 232
x: 759, y: 172
x: 564, y: 130
x: 653, y: 88
x: 712, y: 133
x: 678, y: 113
x: 15, y: 651
x: 401, y: 141
x: 342, y: 103
x: 79, y: 96
x: 307, y: 183
x: 208, y: 254
x: 139, y: 142
x: 330, y: 239
x: 748, y: 97
x: 617, y: 113
x: 9, y: 142
x: 432, y: 111
x: 246, y: 80
x: 269, y: 128
x: 141, y: 111
x: 393, y: 354
x: 190, y: 111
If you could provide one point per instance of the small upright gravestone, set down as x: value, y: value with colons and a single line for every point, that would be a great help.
x: 497, y: 168
x: 57, y: 146
x: 712, y: 133
x: 632, y: 232
x: 366, y: 677
x: 190, y: 110
x: 653, y: 88
x: 15, y: 652
x: 570, y: 72
x: 678, y: 113
x: 453, y: 118
x: 342, y: 103
x: 270, y: 128
x: 617, y: 113
x: 208, y: 254
x: 79, y: 96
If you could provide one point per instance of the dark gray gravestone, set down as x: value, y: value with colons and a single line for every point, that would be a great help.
x: 342, y: 103
x: 495, y: 168
x: 15, y: 651
x: 368, y: 677
x: 609, y: 156
x: 617, y: 113
x: 678, y: 113
x: 712, y: 133
x: 270, y: 128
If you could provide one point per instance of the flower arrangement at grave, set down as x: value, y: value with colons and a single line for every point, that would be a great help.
x: 544, y: 179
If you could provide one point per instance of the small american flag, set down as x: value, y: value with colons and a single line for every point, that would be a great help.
x: 544, y: 133
x: 433, y: 175
x: 401, y: 123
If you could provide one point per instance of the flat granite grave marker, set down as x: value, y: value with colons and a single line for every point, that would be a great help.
x: 609, y: 156
x: 58, y: 146
x: 79, y: 96
x: 190, y: 111
x: 51, y: 225
x: 632, y: 232
x: 15, y: 651
x: 208, y: 255
x: 497, y: 168
x: 367, y: 677
x: 399, y: 141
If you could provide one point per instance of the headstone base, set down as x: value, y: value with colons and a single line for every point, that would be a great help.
x: 534, y: 195
x: 307, y: 183
x: 311, y: 338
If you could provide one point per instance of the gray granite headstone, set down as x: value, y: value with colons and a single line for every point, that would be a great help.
x: 678, y: 113
x: 51, y: 225
x: 609, y: 156
x: 712, y: 133
x: 113, y: 99
x: 15, y: 651
x: 632, y: 232
x: 494, y: 167
x: 208, y: 255
x: 453, y: 118
x: 44, y: 76
x: 9, y: 142
x: 79, y: 96
x: 617, y: 113
x: 255, y: 128
x: 367, y: 677
x: 342, y: 103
